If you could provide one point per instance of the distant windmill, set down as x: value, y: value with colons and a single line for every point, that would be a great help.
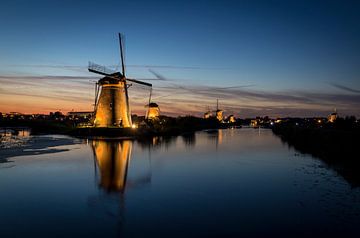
x: 112, y: 106
x: 153, y: 111
x: 219, y: 113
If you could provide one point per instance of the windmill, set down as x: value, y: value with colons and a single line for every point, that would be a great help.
x: 111, y: 108
x: 153, y: 111
x: 219, y: 112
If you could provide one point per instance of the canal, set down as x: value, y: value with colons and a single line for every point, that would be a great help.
x: 227, y: 183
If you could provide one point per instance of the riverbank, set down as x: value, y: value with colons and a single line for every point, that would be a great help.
x: 163, y: 126
x: 37, y: 145
x: 336, y: 144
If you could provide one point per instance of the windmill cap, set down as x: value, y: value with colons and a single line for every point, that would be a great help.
x: 152, y: 104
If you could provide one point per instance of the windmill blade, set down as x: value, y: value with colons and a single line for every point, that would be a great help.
x: 140, y: 82
x: 122, y: 54
x: 99, y: 69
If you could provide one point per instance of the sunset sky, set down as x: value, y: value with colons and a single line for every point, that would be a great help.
x: 275, y: 58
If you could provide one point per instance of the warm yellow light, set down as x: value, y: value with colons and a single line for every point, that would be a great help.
x: 319, y: 121
x: 133, y: 126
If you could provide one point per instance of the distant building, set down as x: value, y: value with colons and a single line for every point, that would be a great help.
x: 15, y: 113
x: 58, y: 116
x: 231, y: 119
x: 39, y: 116
x: 84, y: 115
x: 254, y: 123
x: 57, y: 113
x: 207, y: 115
x: 278, y: 120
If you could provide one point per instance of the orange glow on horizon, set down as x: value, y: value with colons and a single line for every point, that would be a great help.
x: 45, y: 96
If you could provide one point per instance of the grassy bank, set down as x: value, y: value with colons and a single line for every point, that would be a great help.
x: 337, y: 144
x: 41, y: 126
x: 163, y: 126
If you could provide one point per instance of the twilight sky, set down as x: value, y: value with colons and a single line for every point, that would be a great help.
x: 275, y: 58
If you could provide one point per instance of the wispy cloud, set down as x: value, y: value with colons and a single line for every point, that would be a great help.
x: 58, y: 97
x: 144, y: 66
x: 248, y: 100
x: 75, y: 92
x: 352, y: 90
x: 47, y: 77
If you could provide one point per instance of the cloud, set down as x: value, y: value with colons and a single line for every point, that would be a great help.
x: 345, y: 88
x: 253, y: 102
x: 145, y: 66
x: 47, y: 77
x: 175, y: 99
x: 234, y: 92
x: 57, y: 97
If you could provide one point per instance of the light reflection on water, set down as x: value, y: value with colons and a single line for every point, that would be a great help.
x: 112, y: 159
x: 215, y: 183
x: 13, y: 137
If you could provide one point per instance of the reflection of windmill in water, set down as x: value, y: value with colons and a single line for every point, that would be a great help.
x: 112, y: 160
x: 216, y: 135
x: 112, y: 104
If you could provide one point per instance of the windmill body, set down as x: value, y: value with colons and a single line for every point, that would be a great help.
x: 112, y: 109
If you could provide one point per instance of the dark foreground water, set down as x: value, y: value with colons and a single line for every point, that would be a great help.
x: 231, y: 183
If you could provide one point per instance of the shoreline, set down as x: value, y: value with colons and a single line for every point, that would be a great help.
x: 163, y: 126
x: 335, y: 146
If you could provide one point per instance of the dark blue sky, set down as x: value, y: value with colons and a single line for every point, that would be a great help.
x: 299, y: 57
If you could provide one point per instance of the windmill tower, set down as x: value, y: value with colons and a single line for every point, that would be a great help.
x: 111, y: 107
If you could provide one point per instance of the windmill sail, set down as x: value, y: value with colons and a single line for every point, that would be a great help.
x: 99, y: 69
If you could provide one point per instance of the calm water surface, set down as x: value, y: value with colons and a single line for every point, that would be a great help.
x: 228, y: 183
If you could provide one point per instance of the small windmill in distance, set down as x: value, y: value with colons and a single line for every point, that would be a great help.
x: 219, y: 112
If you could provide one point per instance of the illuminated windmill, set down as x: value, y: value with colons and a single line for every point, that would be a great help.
x: 112, y: 104
x: 219, y: 113
x: 153, y: 111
